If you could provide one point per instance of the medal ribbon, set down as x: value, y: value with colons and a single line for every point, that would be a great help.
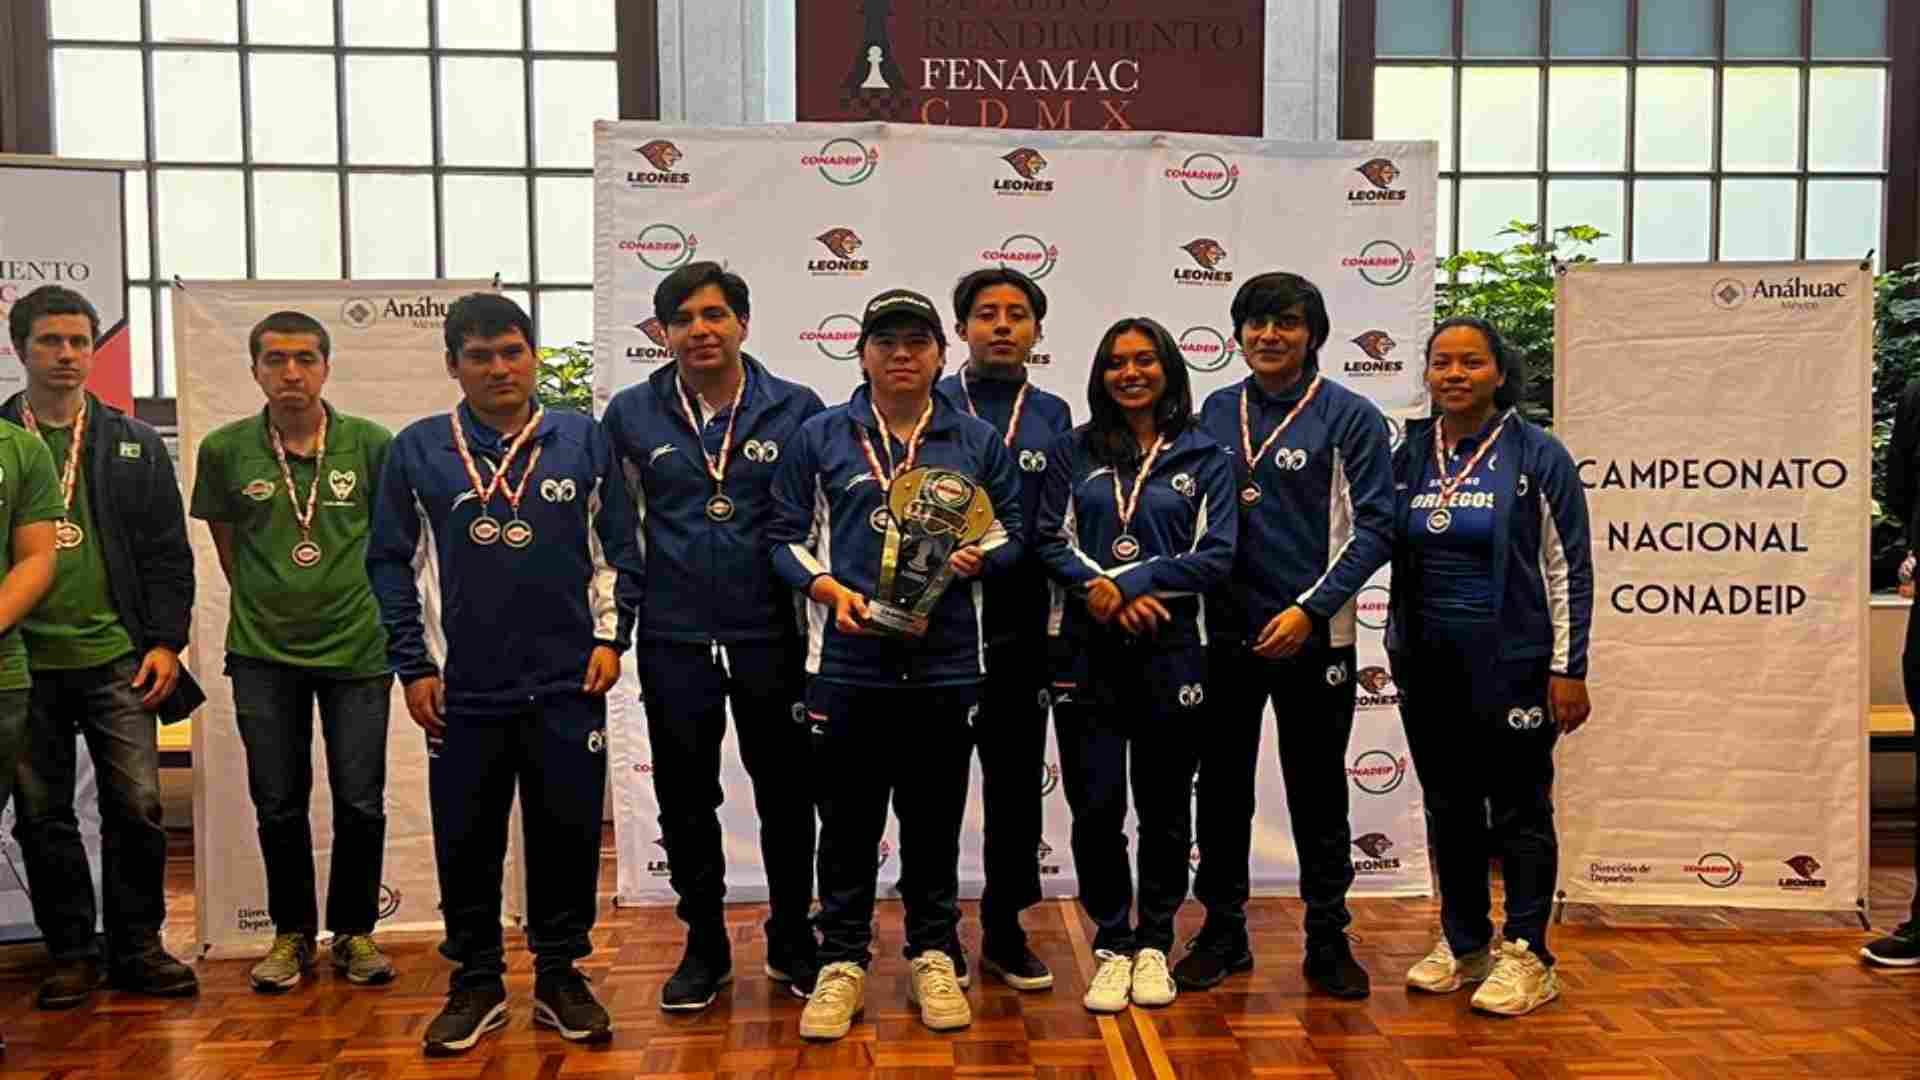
x: 304, y: 520
x: 485, y: 491
x: 886, y: 441
x: 1246, y: 431
x: 1127, y: 504
x: 716, y: 467
x: 71, y: 474
x: 1450, y: 484
x: 1013, y: 422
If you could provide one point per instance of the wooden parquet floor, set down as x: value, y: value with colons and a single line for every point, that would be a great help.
x: 1699, y: 994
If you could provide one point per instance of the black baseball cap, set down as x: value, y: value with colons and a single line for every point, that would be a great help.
x: 901, y: 303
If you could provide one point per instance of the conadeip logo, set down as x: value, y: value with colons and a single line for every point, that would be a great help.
x: 843, y: 162
x: 1207, y: 254
x: 1370, y: 607
x: 420, y: 312
x: 1024, y: 252
x: 843, y: 243
x: 655, y: 349
x: 661, y: 246
x: 1377, y: 772
x: 1806, y: 871
x: 1206, y: 176
x: 1207, y: 349
x: 837, y: 336
x: 1376, y: 689
x: 1375, y: 345
x: 1027, y: 165
x: 1381, y: 262
x: 1793, y: 294
x: 1049, y: 778
x: 1379, y: 175
x: 660, y: 156
x: 885, y: 853
x: 389, y: 903
x: 1716, y: 870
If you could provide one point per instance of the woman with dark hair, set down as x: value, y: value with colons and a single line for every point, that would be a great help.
x: 1492, y: 604
x: 1137, y: 523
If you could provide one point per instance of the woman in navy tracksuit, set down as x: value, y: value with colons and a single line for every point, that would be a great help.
x: 1137, y: 522
x: 1492, y: 604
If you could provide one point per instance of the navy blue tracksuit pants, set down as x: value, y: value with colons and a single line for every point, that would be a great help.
x: 1313, y: 698
x: 1011, y: 735
x: 1482, y: 735
x: 555, y: 751
x: 1141, y: 701
x: 911, y: 746
x: 687, y: 687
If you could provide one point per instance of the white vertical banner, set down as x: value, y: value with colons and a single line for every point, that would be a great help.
x: 820, y: 217
x: 388, y: 366
x: 1720, y: 417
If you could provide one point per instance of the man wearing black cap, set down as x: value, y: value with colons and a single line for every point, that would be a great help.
x: 891, y: 712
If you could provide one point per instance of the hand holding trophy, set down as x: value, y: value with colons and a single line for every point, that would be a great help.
x: 931, y: 513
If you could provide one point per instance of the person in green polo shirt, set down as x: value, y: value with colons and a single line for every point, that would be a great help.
x: 286, y: 494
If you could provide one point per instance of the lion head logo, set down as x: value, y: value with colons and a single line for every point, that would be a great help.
x: 1376, y: 343
x: 655, y: 330
x: 1374, y: 679
x: 1375, y: 845
x: 662, y: 154
x: 1804, y: 865
x: 1206, y: 251
x: 842, y: 242
x: 1026, y: 161
x: 1380, y: 172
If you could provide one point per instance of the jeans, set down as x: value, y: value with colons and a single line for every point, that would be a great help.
x: 1314, y: 718
x: 1469, y: 723
x: 273, y: 706
x: 102, y: 706
x: 872, y: 744
x: 554, y: 751
x: 687, y: 687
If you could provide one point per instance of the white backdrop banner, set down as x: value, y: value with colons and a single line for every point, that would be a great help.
x: 1720, y: 418
x: 388, y: 366
x: 820, y: 217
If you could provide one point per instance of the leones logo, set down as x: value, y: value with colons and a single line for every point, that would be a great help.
x: 1376, y: 344
x: 843, y: 243
x: 1376, y: 688
x: 1375, y: 846
x: 661, y: 246
x: 1380, y: 174
x: 844, y: 162
x: 656, y: 348
x: 661, y: 155
x: 1028, y: 164
x: 1206, y: 176
x: 1207, y: 254
x: 1024, y: 252
x: 1381, y: 262
x: 1806, y: 869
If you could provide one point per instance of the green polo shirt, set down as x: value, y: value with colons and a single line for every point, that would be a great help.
x: 321, y: 616
x: 29, y: 492
x: 76, y: 626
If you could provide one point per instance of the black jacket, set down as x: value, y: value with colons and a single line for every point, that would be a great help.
x: 141, y: 524
x: 1903, y: 464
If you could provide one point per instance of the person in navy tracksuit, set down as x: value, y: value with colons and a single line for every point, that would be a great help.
x: 1137, y: 525
x: 521, y: 518
x: 1315, y: 492
x: 998, y: 314
x: 699, y: 442
x: 1487, y: 632
x: 891, y: 714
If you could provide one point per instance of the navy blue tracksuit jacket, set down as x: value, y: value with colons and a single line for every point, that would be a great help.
x: 825, y: 495
x: 707, y: 581
x: 502, y: 625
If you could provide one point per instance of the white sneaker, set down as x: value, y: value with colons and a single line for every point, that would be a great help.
x: 1112, y: 983
x: 935, y: 987
x: 1442, y: 973
x: 1152, y: 982
x: 1519, y: 983
x: 839, y: 994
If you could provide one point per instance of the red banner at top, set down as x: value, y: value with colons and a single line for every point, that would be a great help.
x: 1082, y: 65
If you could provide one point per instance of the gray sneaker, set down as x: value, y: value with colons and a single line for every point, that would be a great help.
x: 288, y: 959
x: 360, y: 960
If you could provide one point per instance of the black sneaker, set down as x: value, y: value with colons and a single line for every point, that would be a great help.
x: 1015, y: 964
x: 150, y: 969
x: 71, y: 984
x: 958, y: 953
x: 1211, y: 957
x: 471, y: 1012
x: 1898, y: 949
x: 794, y: 960
x: 703, y: 970
x: 563, y: 1001
x: 1331, y: 969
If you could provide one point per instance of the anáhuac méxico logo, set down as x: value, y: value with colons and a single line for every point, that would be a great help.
x: 422, y: 312
x: 661, y: 155
x: 1794, y: 293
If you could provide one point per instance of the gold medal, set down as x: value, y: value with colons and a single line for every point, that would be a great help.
x: 485, y: 528
x: 306, y: 553
x: 67, y: 534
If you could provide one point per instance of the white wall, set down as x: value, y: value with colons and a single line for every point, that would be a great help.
x: 731, y: 62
